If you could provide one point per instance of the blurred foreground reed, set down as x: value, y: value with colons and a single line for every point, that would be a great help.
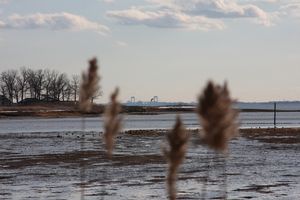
x: 215, y: 111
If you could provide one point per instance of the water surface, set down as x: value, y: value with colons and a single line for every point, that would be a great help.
x: 160, y: 121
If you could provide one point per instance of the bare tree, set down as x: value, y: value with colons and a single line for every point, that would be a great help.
x: 16, y: 90
x: 67, y: 91
x: 2, y: 88
x: 40, y: 84
x: 22, y: 82
x: 49, y: 83
x: 75, y: 86
x: 35, y: 82
x: 97, y: 94
x: 60, y: 85
x: 8, y: 78
x: 32, y: 83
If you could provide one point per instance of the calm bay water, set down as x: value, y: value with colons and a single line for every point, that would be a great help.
x: 132, y: 122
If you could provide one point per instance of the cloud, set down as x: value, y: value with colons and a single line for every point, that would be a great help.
x: 52, y: 21
x: 291, y: 9
x: 261, y: 1
x: 2, y: 24
x: 164, y: 19
x: 192, y: 15
x: 223, y: 9
x: 219, y: 9
x: 4, y: 1
x: 121, y: 44
x: 108, y: 1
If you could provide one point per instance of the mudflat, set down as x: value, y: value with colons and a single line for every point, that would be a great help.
x: 261, y: 164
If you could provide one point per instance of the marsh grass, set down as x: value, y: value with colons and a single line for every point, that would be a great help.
x: 178, y: 143
x: 112, y: 124
x: 217, y: 116
x: 215, y: 111
x: 218, y: 119
x: 89, y: 86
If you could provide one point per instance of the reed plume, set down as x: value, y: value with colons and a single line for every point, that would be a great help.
x: 177, y: 140
x: 217, y: 116
x: 89, y: 86
x: 112, y: 122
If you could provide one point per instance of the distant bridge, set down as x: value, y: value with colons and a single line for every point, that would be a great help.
x: 156, y: 103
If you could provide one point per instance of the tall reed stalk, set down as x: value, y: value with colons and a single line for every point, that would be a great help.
x: 112, y: 122
x: 178, y: 143
x: 218, y: 119
x: 89, y: 86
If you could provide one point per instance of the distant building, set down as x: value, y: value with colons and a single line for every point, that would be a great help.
x: 4, y: 101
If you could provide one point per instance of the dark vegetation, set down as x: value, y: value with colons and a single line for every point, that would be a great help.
x: 28, y: 86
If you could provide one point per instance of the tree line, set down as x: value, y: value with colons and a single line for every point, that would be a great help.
x: 41, y: 84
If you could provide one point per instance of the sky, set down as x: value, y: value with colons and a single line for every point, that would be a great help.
x: 164, y: 48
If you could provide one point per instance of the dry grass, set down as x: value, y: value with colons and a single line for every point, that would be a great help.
x: 89, y: 86
x: 178, y: 142
x: 214, y: 109
x: 112, y: 122
x: 217, y: 116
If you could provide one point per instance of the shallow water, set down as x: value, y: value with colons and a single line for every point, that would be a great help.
x: 66, y: 165
x: 136, y: 122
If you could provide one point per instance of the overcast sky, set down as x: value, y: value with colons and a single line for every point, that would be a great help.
x: 164, y: 48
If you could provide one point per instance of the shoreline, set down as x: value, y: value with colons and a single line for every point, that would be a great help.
x: 71, y: 110
x: 77, y: 114
x: 242, y: 132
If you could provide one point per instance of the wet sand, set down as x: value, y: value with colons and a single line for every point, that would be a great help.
x: 262, y: 164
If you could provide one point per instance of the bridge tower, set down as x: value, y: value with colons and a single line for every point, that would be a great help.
x: 154, y: 99
x: 132, y: 99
